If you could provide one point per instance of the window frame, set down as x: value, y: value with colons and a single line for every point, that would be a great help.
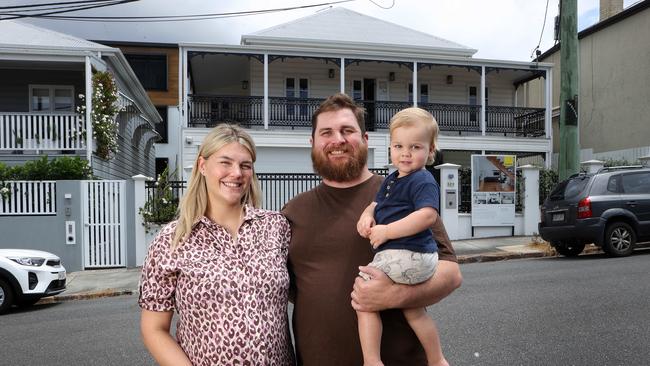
x: 145, y: 55
x: 51, y: 93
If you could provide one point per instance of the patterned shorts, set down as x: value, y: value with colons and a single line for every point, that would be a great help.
x: 404, y: 266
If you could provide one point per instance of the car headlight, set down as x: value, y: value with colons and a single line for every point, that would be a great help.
x: 29, y: 261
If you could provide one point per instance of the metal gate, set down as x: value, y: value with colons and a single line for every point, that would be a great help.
x: 104, y: 223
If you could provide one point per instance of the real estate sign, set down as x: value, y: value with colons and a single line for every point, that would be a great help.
x: 493, y: 190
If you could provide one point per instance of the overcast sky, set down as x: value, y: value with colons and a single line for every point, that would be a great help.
x: 498, y: 29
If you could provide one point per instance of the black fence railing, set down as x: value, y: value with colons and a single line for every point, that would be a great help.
x: 518, y: 121
x: 455, y: 117
x: 277, y: 188
x: 210, y: 110
x: 292, y: 112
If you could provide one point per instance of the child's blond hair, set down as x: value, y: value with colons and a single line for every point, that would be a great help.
x: 417, y: 116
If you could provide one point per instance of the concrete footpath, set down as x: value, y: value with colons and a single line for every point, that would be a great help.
x: 92, y: 284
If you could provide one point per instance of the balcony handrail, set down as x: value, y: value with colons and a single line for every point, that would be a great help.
x: 21, y: 131
x: 295, y: 112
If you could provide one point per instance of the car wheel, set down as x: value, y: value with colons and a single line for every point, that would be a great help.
x: 620, y: 239
x: 568, y: 248
x: 6, y: 296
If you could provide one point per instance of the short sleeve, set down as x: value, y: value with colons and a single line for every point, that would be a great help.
x: 426, y: 192
x: 159, y: 274
x: 285, y: 232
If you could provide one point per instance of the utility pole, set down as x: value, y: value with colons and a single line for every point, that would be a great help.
x: 569, y: 159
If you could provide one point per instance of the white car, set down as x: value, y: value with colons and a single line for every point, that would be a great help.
x: 28, y: 275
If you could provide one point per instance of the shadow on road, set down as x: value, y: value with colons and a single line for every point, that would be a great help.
x: 31, y: 308
x: 643, y: 249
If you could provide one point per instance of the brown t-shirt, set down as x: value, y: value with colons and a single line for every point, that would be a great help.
x: 324, y: 254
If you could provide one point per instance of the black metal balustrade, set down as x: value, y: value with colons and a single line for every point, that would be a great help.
x: 292, y: 112
x: 519, y: 121
x: 209, y: 110
x: 455, y: 117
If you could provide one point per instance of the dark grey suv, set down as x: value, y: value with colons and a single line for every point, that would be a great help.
x: 610, y: 208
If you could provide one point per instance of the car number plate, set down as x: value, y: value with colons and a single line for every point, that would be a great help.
x: 62, y: 275
x: 558, y: 217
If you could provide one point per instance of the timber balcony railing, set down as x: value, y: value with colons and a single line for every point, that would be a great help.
x: 41, y: 131
x: 210, y: 110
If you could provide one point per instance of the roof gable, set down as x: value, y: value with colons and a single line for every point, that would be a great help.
x: 344, y: 28
x: 14, y: 33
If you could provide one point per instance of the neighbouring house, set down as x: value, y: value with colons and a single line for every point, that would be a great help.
x: 156, y: 66
x: 614, y: 74
x: 274, y: 80
x: 42, y: 75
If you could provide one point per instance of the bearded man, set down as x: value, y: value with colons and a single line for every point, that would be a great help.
x: 326, y: 252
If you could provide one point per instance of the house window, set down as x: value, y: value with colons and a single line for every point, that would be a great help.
x: 293, y: 92
x: 161, y: 127
x: 151, y: 70
x: 473, y: 100
x: 424, y: 93
x: 51, y: 98
x: 356, y: 90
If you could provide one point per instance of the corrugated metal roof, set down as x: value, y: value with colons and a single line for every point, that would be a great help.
x: 343, y: 26
x: 17, y: 34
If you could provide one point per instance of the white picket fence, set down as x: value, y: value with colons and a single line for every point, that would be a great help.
x: 41, y: 131
x: 27, y: 198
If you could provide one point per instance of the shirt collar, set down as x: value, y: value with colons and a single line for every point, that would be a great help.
x: 250, y: 213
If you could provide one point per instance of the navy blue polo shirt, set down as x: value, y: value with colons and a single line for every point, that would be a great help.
x: 398, y: 198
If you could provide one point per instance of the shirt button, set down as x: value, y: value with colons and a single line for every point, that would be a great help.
x: 387, y: 194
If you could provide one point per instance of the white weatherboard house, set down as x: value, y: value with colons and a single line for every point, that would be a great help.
x: 273, y: 81
x: 42, y: 73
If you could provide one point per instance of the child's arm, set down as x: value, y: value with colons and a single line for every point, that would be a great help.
x: 366, y: 220
x: 412, y: 224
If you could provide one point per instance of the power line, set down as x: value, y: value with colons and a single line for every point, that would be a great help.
x: 43, y: 15
x: 74, y: 7
x: 48, y: 4
x: 383, y: 7
x: 169, y: 18
x: 542, y: 33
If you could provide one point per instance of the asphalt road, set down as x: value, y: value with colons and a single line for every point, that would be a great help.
x: 592, y: 310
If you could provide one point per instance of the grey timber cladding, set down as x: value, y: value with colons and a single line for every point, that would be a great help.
x: 135, y: 156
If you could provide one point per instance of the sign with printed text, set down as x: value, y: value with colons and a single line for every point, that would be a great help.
x: 493, y: 190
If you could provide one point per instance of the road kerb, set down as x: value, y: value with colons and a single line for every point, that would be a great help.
x: 88, y: 295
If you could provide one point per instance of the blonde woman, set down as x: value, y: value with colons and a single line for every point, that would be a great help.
x: 221, y: 267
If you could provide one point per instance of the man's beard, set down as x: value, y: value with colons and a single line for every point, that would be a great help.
x: 346, y: 171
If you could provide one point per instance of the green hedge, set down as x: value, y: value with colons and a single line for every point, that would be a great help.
x: 62, y: 168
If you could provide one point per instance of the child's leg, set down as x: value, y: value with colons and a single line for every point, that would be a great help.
x: 426, y: 331
x: 370, y: 329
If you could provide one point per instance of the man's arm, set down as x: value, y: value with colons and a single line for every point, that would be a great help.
x: 382, y: 293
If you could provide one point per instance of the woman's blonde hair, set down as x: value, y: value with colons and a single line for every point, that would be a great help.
x: 417, y: 116
x: 195, y: 200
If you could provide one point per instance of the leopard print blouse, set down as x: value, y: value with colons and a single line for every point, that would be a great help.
x: 230, y: 297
